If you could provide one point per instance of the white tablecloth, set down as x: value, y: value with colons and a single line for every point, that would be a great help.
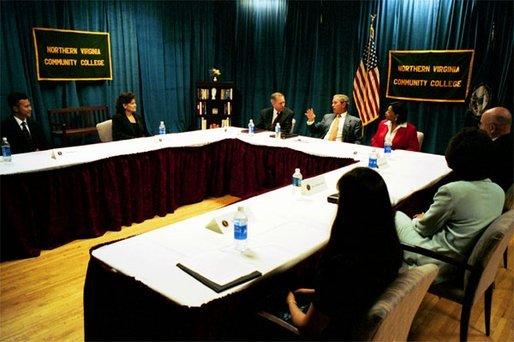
x: 282, y: 230
x: 69, y: 156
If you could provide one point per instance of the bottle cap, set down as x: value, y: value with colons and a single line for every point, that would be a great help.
x: 240, y: 208
x: 162, y: 122
x: 297, y: 169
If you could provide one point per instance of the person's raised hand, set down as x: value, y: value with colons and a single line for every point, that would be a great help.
x: 310, y: 114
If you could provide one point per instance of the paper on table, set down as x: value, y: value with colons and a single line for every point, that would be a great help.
x: 221, y: 268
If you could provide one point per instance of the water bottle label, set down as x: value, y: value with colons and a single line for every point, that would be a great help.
x: 372, y: 163
x: 6, y: 151
x: 240, y: 231
x: 297, y: 181
x: 387, y: 148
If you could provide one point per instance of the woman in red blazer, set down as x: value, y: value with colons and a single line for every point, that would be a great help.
x: 396, y: 128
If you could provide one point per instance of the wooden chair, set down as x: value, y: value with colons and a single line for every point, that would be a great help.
x: 477, y: 272
x: 391, y: 317
x: 75, y: 121
x: 105, y: 130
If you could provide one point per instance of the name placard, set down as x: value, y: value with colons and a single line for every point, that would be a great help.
x: 313, y: 185
x: 432, y: 76
x: 67, y: 55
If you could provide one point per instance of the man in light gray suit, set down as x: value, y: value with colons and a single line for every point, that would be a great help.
x: 336, y: 126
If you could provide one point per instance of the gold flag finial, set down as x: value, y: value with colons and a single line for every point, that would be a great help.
x: 371, y: 29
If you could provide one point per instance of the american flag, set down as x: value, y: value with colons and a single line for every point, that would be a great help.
x: 366, y: 84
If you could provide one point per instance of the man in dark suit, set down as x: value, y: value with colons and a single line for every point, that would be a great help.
x: 278, y: 112
x: 23, y: 134
x: 338, y: 125
x: 497, y: 123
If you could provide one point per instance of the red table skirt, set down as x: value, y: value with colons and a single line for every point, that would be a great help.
x: 44, y: 210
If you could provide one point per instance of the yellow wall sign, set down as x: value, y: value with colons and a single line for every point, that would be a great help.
x: 67, y: 55
x: 429, y: 75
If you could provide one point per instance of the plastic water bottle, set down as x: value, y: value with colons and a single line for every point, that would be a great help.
x: 6, y: 150
x: 373, y: 162
x: 388, y: 147
x: 278, y: 131
x: 251, y: 127
x: 240, y: 229
x: 162, y: 128
x: 297, y: 183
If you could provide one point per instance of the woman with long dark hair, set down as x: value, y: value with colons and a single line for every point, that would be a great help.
x: 361, y: 259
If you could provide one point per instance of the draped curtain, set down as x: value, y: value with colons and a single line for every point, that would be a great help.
x: 309, y: 50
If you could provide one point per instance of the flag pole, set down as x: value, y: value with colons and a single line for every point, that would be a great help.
x: 371, y: 35
x: 366, y: 83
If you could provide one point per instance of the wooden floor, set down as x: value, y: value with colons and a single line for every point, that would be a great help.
x: 41, y: 298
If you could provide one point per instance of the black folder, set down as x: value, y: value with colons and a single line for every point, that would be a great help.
x: 215, y: 286
x: 285, y: 135
x: 334, y: 198
x: 257, y: 130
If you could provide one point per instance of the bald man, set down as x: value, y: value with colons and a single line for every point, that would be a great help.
x: 497, y: 123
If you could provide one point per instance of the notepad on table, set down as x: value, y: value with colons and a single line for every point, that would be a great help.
x: 218, y: 270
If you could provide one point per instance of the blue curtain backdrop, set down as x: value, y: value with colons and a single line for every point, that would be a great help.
x: 309, y: 50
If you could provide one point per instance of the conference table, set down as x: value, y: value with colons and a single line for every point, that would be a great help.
x: 135, y: 289
x: 55, y: 196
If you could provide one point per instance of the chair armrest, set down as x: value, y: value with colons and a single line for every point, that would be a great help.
x: 458, y: 262
x: 281, y: 323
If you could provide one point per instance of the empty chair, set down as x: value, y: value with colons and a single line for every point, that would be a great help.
x: 477, y: 273
x: 420, y: 136
x: 105, y: 130
x: 293, y: 123
x: 390, y: 318
x: 66, y: 123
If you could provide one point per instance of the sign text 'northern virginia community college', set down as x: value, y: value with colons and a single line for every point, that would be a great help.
x: 435, y: 76
x: 66, y: 55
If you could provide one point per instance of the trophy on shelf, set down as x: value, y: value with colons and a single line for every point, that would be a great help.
x: 215, y: 73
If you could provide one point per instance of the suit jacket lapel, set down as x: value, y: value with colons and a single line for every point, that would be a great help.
x: 328, y: 119
x: 346, y: 126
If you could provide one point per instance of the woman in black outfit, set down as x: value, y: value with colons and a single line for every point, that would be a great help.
x: 360, y: 261
x: 126, y: 124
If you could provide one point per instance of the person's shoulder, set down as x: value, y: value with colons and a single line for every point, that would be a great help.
x: 288, y: 110
x: 267, y: 109
x: 8, y: 120
x: 463, y: 187
x: 8, y: 123
x: 504, y: 141
x: 460, y: 184
x: 411, y: 127
x: 353, y: 118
